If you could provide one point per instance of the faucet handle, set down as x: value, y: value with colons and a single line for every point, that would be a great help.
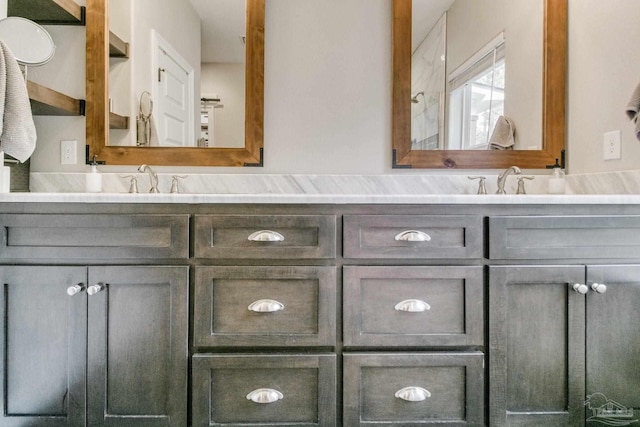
x: 482, y: 189
x: 133, y: 186
x: 175, y: 188
x: 521, y: 179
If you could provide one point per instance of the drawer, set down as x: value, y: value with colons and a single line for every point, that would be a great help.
x: 564, y: 237
x: 265, y: 306
x: 413, y: 236
x: 413, y: 306
x: 93, y: 237
x: 296, y: 236
x: 297, y: 390
x: 413, y: 389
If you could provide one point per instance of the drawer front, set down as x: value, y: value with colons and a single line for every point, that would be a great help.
x: 265, y: 306
x: 413, y: 306
x: 564, y: 237
x: 301, y: 236
x: 419, y: 389
x: 394, y: 236
x: 297, y: 390
x: 95, y: 237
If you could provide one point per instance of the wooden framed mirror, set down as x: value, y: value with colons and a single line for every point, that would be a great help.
x: 554, y: 58
x: 97, y: 101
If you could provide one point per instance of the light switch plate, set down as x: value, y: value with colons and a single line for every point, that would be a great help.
x: 68, y: 152
x: 611, y: 145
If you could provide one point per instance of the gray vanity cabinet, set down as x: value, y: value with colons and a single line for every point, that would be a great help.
x: 94, y: 346
x: 564, y: 339
x: 413, y: 335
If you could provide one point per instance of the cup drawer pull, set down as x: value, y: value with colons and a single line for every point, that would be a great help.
x: 266, y: 236
x: 413, y: 394
x: 264, y: 395
x: 412, y: 306
x: 266, y: 306
x: 413, y: 236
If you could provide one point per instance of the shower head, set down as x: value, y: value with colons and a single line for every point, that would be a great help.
x: 414, y: 99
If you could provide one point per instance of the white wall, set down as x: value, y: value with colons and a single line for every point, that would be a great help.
x: 604, y: 59
x: 227, y: 80
x: 328, y: 88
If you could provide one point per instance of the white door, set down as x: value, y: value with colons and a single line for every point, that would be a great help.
x: 174, y: 99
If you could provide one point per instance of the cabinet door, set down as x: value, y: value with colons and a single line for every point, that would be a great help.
x: 536, y: 342
x: 42, y: 347
x: 137, y: 346
x: 613, y: 343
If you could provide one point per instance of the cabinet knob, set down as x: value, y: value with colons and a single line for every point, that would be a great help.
x: 75, y: 289
x: 266, y: 236
x: 580, y: 288
x: 412, y: 236
x: 266, y: 306
x: 412, y: 306
x: 264, y: 395
x: 94, y: 289
x: 600, y: 288
x: 413, y: 394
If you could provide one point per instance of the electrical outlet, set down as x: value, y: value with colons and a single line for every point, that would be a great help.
x: 68, y: 152
x: 611, y: 145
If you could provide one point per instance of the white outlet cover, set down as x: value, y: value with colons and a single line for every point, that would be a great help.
x: 611, y: 145
x: 68, y: 152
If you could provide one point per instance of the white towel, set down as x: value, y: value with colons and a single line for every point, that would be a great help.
x: 633, y: 108
x: 17, y: 130
x: 503, y: 136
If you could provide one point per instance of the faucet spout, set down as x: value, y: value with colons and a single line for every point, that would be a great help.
x: 153, y: 177
x: 502, y: 178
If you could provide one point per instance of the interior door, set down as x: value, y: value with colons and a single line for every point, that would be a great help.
x: 137, y: 346
x: 174, y: 104
x: 613, y: 344
x: 42, y: 342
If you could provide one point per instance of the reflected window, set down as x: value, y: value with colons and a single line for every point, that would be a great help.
x: 476, y: 99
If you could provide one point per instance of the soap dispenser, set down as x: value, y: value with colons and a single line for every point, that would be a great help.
x: 556, y: 180
x: 93, y: 179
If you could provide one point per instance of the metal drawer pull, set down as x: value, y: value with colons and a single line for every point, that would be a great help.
x: 580, y: 288
x: 266, y: 236
x: 266, y: 306
x: 75, y: 289
x: 413, y: 394
x: 600, y: 288
x: 412, y: 306
x: 94, y: 289
x: 264, y: 395
x: 413, y: 236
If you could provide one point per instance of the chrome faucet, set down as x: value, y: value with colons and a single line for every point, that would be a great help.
x: 153, y: 177
x: 502, y: 178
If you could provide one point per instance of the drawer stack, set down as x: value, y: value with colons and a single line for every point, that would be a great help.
x: 264, y: 323
x: 412, y: 333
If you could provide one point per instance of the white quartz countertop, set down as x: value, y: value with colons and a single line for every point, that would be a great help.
x: 280, y: 198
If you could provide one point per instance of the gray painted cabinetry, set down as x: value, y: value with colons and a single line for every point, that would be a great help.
x: 319, y: 315
x: 564, y: 338
x: 92, y: 345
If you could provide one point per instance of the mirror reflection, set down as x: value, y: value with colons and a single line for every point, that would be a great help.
x: 476, y: 74
x: 194, y: 73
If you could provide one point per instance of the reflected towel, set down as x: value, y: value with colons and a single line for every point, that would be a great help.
x: 633, y: 108
x: 504, y: 135
x: 147, y: 135
x: 17, y: 130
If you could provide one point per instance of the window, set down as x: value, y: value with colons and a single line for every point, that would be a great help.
x: 476, y: 98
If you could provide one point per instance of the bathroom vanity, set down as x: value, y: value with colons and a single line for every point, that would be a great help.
x: 345, y: 311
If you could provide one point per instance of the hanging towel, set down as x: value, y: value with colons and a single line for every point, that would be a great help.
x: 633, y: 108
x: 17, y: 130
x: 504, y: 134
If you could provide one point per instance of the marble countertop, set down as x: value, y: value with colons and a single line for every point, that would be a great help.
x: 281, y: 198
